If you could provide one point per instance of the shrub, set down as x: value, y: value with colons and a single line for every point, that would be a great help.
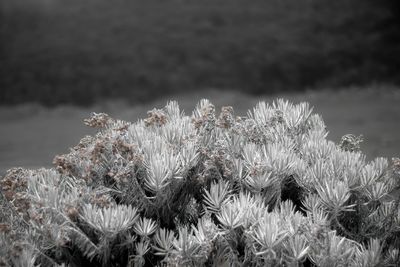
x: 267, y: 189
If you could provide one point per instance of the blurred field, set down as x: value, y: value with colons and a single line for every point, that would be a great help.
x: 58, y: 51
x: 32, y: 135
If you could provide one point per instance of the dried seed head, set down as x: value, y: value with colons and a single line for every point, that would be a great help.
x: 128, y: 151
x: 98, y: 120
x: 350, y: 142
x: 14, y: 181
x: 226, y: 119
x: 204, y: 115
x: 98, y: 150
x: 156, y: 117
x: 84, y: 143
x: 63, y: 165
x: 100, y: 200
x: 72, y: 213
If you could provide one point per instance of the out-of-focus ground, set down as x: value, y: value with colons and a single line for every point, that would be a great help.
x: 32, y: 135
x: 74, y: 51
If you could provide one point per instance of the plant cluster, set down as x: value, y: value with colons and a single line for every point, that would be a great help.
x: 267, y: 189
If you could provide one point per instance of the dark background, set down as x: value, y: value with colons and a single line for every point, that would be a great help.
x: 74, y: 51
x: 62, y: 59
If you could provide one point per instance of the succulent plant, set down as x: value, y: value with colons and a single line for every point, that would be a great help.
x: 267, y: 189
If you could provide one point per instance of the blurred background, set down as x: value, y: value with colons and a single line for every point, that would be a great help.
x: 62, y: 59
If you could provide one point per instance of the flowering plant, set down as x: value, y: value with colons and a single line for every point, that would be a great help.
x: 267, y: 189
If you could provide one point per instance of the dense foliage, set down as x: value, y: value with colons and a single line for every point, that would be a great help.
x: 267, y: 189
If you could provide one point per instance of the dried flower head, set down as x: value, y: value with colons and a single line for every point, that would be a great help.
x: 156, y: 117
x: 63, y: 165
x: 227, y: 118
x: 350, y: 142
x: 204, y: 114
x: 98, y: 120
x: 13, y: 182
x: 72, y: 213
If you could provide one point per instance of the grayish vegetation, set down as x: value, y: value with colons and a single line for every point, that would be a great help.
x: 208, y: 189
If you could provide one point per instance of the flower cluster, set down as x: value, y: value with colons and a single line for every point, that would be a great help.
x: 267, y: 189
